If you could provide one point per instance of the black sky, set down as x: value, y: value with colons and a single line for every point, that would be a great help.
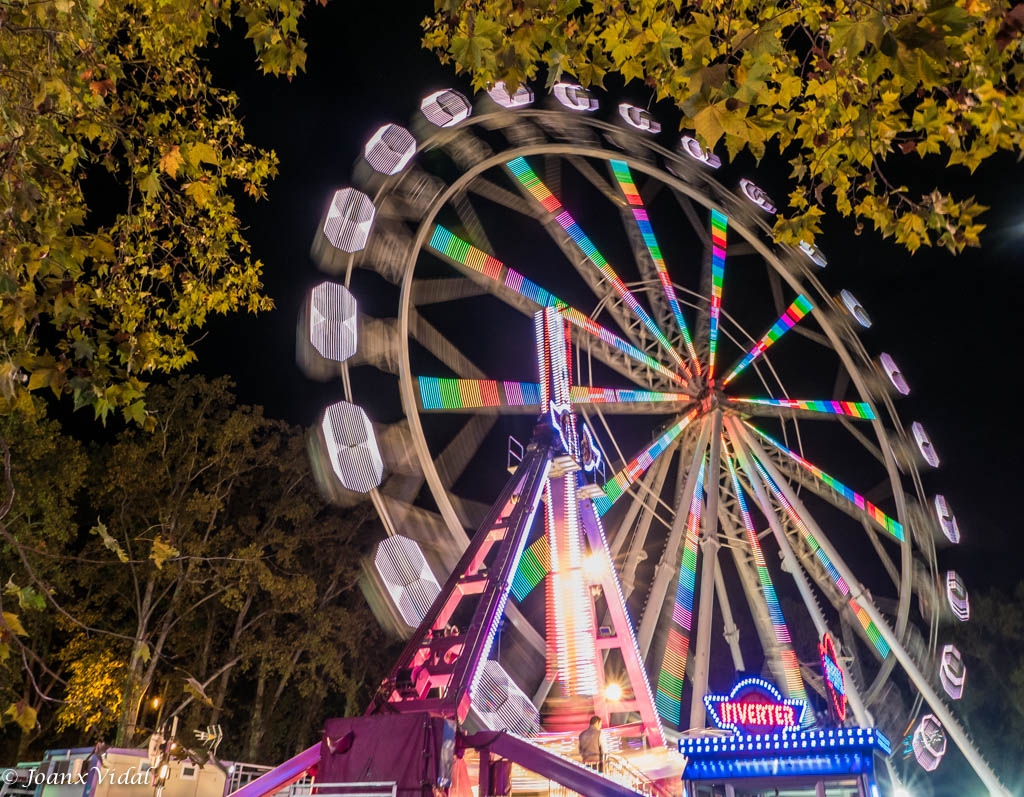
x: 954, y: 324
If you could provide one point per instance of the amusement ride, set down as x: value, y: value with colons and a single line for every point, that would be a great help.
x: 584, y: 306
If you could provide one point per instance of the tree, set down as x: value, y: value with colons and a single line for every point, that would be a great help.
x: 119, y: 165
x: 992, y: 645
x: 847, y: 90
x: 212, y: 571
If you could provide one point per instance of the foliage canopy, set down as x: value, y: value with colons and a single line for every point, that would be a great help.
x: 216, y: 578
x: 119, y: 166
x: 844, y: 89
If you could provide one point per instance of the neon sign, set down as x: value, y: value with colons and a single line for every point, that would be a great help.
x: 755, y: 707
x: 835, y: 683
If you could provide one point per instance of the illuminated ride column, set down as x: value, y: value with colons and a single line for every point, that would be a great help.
x: 573, y: 666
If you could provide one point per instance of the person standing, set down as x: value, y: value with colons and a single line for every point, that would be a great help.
x: 591, y: 749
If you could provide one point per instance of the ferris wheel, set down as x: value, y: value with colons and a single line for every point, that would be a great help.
x: 725, y: 400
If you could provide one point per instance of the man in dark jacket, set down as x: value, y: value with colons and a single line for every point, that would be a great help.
x: 591, y: 749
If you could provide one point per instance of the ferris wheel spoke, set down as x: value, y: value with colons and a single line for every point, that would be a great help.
x: 890, y: 525
x: 470, y: 220
x: 532, y: 183
x: 443, y: 349
x: 790, y: 665
x: 500, y: 195
x: 719, y: 230
x: 797, y: 567
x: 526, y: 296
x: 812, y: 537
x: 594, y: 178
x: 446, y: 289
x: 812, y: 408
x: 672, y: 675
x: 615, y: 487
x: 625, y: 179
x: 800, y: 307
x: 442, y: 394
x: 671, y: 554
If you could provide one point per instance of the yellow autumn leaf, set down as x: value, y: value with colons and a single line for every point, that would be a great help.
x: 24, y: 715
x: 171, y: 161
x: 162, y: 551
x: 13, y: 623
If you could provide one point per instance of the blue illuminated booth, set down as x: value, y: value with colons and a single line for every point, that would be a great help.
x: 768, y: 748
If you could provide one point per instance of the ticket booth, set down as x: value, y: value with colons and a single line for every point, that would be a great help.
x: 764, y: 747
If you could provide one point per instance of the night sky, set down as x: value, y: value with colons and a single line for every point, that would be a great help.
x: 952, y: 323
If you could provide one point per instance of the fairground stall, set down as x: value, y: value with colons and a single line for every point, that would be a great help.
x: 766, y: 746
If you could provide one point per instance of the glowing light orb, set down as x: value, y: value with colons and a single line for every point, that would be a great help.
x: 956, y: 594
x: 952, y: 672
x: 499, y: 93
x: 692, y: 147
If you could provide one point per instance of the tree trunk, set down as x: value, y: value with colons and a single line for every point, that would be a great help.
x: 256, y: 717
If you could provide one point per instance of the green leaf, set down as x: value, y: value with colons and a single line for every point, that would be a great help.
x: 150, y: 185
x: 197, y: 153
x: 142, y: 652
x: 109, y: 542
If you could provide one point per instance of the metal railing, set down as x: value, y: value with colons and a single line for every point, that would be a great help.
x: 369, y: 788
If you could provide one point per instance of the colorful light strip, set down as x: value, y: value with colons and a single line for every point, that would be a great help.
x: 774, y: 746
x: 719, y: 228
x: 580, y: 394
x: 625, y: 178
x: 855, y: 409
x: 888, y: 524
x: 669, y: 696
x: 790, y: 664
x: 532, y: 183
x: 534, y: 565
x: 618, y: 484
x: 456, y: 394
x: 800, y: 307
x: 462, y: 252
x: 862, y: 617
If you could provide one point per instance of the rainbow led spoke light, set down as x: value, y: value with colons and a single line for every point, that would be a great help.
x: 617, y: 485
x: 893, y: 527
x: 669, y: 695
x: 465, y: 254
x: 533, y: 566
x: 458, y: 394
x: 790, y: 664
x: 719, y: 228
x: 800, y: 307
x: 532, y: 183
x: 438, y: 393
x: 862, y: 617
x: 581, y: 394
x: 625, y: 178
x: 854, y: 409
